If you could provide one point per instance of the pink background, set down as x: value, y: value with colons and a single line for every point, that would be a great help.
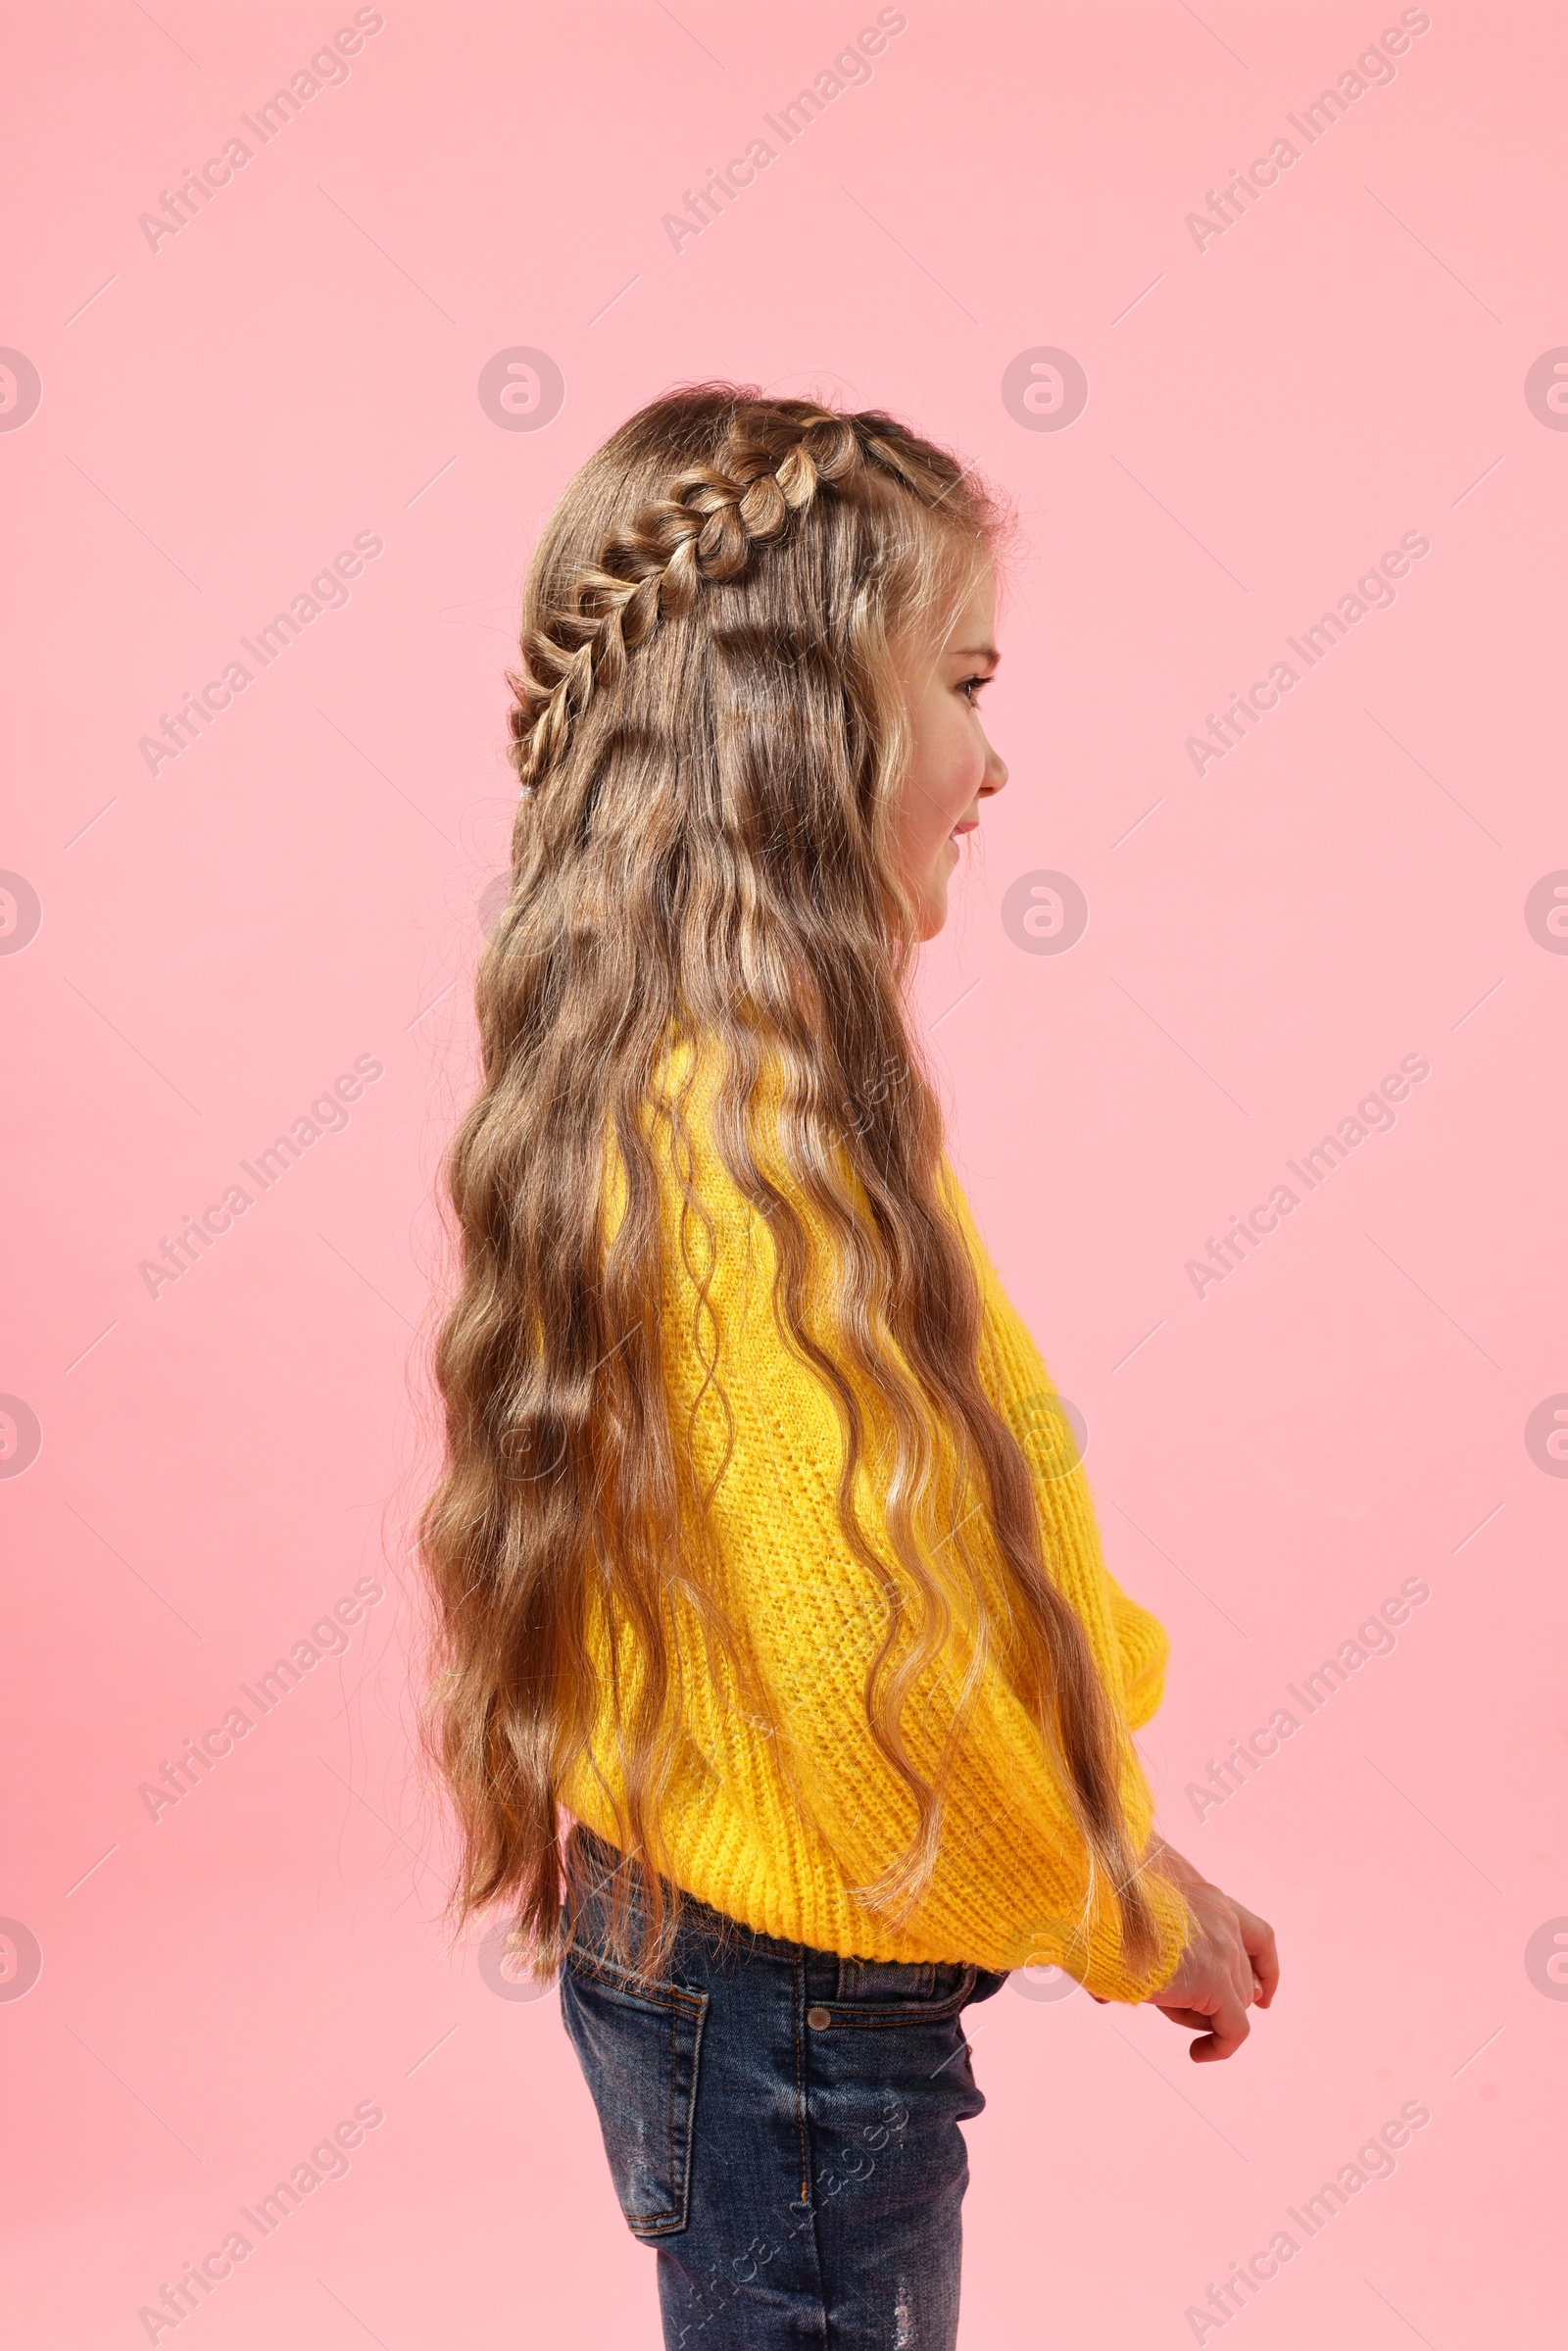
x: 299, y: 887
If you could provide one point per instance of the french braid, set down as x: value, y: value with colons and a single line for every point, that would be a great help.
x: 706, y: 527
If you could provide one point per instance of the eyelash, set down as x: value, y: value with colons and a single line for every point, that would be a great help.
x: 966, y: 683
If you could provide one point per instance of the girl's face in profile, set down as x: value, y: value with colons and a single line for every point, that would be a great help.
x: 953, y: 767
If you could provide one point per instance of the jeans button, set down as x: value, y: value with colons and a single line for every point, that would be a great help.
x: 818, y: 2019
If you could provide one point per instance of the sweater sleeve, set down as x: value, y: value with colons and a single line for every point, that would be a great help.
x: 1011, y: 1881
x: 1145, y: 1648
x: 1023, y: 1390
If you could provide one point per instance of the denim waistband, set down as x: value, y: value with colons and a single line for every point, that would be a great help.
x: 592, y: 1861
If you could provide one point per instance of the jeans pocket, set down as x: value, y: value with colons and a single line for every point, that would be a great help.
x: 882, y: 1992
x: 887, y: 1980
x: 639, y: 2053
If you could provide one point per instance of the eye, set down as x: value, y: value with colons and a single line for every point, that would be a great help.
x: 970, y: 686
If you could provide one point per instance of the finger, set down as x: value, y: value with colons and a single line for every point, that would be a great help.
x: 1262, y: 1960
x: 1248, y: 1981
x: 1243, y: 1973
x: 1258, y: 1937
x: 1238, y: 1970
x: 1230, y: 2029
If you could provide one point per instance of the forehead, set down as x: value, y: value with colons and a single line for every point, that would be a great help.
x: 974, y: 620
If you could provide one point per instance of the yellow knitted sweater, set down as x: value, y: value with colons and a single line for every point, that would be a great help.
x: 783, y: 1849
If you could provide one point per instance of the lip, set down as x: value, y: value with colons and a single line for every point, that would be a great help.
x: 974, y: 826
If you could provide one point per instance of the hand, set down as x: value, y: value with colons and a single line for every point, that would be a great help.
x: 1229, y: 1965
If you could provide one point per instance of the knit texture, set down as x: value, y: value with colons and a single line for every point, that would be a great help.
x: 780, y: 1842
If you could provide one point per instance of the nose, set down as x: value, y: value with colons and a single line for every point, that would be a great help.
x: 996, y: 774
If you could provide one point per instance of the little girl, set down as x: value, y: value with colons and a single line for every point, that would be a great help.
x: 764, y: 1567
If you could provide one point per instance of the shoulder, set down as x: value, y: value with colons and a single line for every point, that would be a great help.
x: 954, y: 1197
x: 1012, y: 1364
x: 686, y: 1182
x: 715, y: 1135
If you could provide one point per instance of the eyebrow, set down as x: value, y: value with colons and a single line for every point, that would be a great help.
x: 973, y: 653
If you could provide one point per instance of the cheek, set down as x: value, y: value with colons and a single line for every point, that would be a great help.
x: 956, y: 769
x: 947, y: 772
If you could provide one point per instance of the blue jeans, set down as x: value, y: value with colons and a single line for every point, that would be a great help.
x: 782, y: 2126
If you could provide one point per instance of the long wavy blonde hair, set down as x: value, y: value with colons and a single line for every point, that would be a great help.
x: 710, y: 733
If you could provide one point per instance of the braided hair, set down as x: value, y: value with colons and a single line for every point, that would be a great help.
x: 707, y: 526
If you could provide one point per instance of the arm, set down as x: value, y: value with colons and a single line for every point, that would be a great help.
x: 1021, y: 1386
x: 1011, y: 1879
x: 1229, y: 1964
x: 1228, y: 1960
x: 1145, y: 1648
